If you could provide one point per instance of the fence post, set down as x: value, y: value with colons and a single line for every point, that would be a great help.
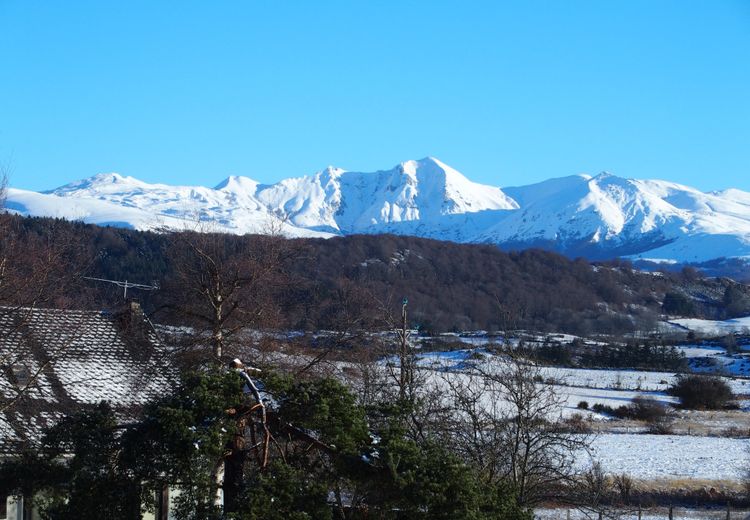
x: 671, y: 513
x: 729, y: 511
x: 639, y: 511
x: 568, y: 515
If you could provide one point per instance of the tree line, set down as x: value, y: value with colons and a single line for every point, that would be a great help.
x: 452, y: 286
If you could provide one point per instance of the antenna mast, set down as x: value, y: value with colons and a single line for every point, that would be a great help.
x: 125, y: 285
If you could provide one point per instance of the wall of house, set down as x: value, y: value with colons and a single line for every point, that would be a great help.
x: 14, y: 510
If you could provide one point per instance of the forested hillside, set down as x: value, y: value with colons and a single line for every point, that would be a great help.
x: 352, y: 281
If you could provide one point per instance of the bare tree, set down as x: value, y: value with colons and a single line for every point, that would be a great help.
x: 403, y: 372
x: 224, y: 284
x: 475, y: 423
x: 505, y: 421
x: 3, y: 187
x: 37, y: 267
x: 350, y: 321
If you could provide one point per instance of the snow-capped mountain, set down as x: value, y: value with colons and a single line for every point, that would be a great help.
x: 597, y: 217
x: 354, y: 202
x: 606, y: 215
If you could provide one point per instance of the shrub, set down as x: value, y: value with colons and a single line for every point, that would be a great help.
x: 735, y: 432
x: 645, y: 409
x: 621, y: 412
x: 583, y: 405
x: 624, y: 485
x: 660, y: 425
x: 656, y: 415
x: 576, y: 423
x: 702, y: 392
x: 600, y: 408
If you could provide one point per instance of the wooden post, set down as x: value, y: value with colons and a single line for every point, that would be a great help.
x: 639, y: 512
x: 671, y: 513
x: 729, y: 511
x: 568, y: 515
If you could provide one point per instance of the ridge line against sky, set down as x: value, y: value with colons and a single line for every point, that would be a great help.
x: 216, y: 185
x: 507, y: 93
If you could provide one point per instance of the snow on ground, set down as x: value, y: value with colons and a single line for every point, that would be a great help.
x: 709, y: 359
x: 697, y: 351
x: 714, y: 328
x: 634, y: 381
x: 650, y: 514
x: 614, y: 398
x: 610, y: 378
x: 667, y: 457
x: 643, y: 456
x: 572, y: 385
x: 735, y: 364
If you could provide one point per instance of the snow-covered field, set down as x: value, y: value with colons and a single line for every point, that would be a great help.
x: 633, y: 381
x: 613, y: 379
x: 642, y: 456
x: 650, y: 514
x: 667, y: 457
x: 714, y: 328
x: 614, y: 398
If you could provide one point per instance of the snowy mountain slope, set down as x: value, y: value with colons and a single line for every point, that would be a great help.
x: 111, y: 199
x: 83, y: 209
x: 595, y: 209
x: 233, y: 195
x: 356, y: 202
x: 597, y: 217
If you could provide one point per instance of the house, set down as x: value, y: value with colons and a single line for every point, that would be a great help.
x: 54, y: 362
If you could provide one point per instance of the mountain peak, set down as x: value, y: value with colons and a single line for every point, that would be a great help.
x: 237, y: 183
x: 98, y: 182
x: 111, y: 177
x: 433, y: 161
x: 106, y: 178
x: 426, y: 163
x: 331, y: 172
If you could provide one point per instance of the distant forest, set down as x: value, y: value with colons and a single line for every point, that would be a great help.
x: 356, y: 280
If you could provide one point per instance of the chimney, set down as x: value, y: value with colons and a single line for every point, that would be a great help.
x: 136, y: 312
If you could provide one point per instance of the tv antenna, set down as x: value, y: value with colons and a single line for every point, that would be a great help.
x: 125, y: 285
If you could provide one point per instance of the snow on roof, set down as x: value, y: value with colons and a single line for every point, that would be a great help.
x: 60, y: 361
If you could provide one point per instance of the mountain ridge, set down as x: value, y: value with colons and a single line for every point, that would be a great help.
x: 593, y: 216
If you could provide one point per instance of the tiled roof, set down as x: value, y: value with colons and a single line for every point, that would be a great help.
x: 68, y: 360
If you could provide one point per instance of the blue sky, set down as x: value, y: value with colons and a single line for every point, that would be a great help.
x: 508, y: 93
